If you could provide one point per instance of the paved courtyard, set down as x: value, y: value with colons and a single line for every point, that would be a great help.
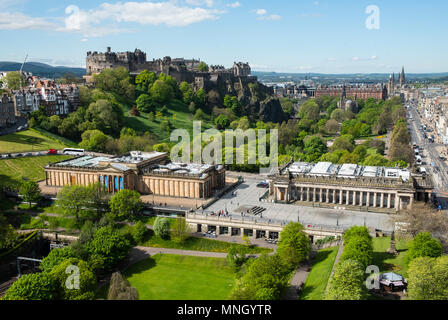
x: 247, y: 196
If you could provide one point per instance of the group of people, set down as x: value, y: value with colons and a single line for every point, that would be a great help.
x: 220, y: 213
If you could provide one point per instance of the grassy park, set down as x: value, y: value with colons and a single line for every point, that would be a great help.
x: 12, y: 171
x: 29, y: 140
x: 316, y: 282
x: 388, y: 262
x: 175, y: 277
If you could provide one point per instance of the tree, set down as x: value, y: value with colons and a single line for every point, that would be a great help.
x: 15, y: 80
x: 162, y: 227
x: 161, y: 92
x: 95, y: 140
x: 200, y: 98
x: 222, y: 122
x: 126, y: 204
x: 55, y: 257
x: 424, y: 245
x: 33, y: 286
x: 203, y: 67
x: 236, y: 256
x: 139, y: 232
x: 428, y: 278
x: 358, y: 249
x: 110, y: 245
x: 87, y: 280
x: 145, y: 103
x: 192, y: 107
x: 144, y: 80
x: 266, y: 279
x: 309, y: 111
x: 30, y: 192
x: 356, y: 231
x: 199, y: 115
x: 120, y: 289
x: 180, y: 230
x: 332, y: 126
x: 347, y: 282
x: 73, y: 200
x: 294, y: 245
x: 243, y: 123
x: 117, y: 80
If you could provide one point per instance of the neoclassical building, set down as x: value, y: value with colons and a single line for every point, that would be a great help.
x: 349, y: 185
x: 145, y: 172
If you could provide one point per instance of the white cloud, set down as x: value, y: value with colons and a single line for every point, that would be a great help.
x: 261, y: 12
x: 18, y: 21
x: 355, y: 58
x: 373, y: 57
x: 107, y: 18
x: 234, y: 5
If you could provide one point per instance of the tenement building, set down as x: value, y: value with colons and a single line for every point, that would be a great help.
x: 7, y: 113
x: 349, y: 185
x: 363, y: 91
x: 145, y: 172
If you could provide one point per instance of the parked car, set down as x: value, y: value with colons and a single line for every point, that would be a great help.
x: 52, y: 151
x: 263, y: 184
x: 28, y: 154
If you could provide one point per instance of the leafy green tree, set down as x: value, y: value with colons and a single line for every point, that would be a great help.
x: 117, y: 81
x: 200, y: 115
x: 95, y: 140
x: 359, y: 249
x: 15, y: 80
x: 104, y: 116
x: 8, y: 234
x: 30, y: 192
x: 203, y: 67
x: 87, y: 280
x: 180, y: 230
x: 375, y: 160
x: 73, y: 200
x: 309, y: 111
x: 110, y: 245
x: 161, y: 92
x: 55, y: 257
x: 144, y: 80
x: 428, y: 278
x: 236, y: 256
x: 192, y: 107
x: 266, y: 279
x: 424, y: 245
x: 145, y: 103
x: 222, y: 122
x: 294, y: 245
x: 139, y: 232
x: 33, y: 286
x: 126, y: 204
x: 344, y: 142
x: 200, y: 98
x: 347, y: 282
x: 162, y: 227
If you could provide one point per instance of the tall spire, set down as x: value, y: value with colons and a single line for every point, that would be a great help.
x: 402, y: 77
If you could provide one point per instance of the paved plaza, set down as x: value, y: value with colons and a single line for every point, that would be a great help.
x: 247, y: 195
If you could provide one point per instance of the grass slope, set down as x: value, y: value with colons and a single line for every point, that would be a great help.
x: 28, y: 140
x: 175, y: 277
x: 13, y: 170
x: 184, y: 120
x: 316, y: 282
x: 388, y: 262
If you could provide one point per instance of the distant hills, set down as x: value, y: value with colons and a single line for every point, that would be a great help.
x: 41, y: 69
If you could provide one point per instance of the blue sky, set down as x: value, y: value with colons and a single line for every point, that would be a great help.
x: 325, y: 36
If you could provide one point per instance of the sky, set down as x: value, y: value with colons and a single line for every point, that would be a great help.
x: 301, y: 36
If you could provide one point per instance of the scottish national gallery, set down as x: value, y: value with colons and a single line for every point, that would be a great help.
x: 145, y: 172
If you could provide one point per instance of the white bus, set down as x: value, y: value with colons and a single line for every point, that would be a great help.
x: 419, y: 160
x: 74, y: 152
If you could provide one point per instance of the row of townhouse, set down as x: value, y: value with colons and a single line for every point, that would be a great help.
x: 58, y: 99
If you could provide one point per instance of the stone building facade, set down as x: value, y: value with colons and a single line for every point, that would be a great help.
x: 349, y: 185
x: 360, y: 91
x: 7, y: 112
x: 147, y: 173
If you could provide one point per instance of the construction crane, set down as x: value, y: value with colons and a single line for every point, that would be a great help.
x: 23, y: 64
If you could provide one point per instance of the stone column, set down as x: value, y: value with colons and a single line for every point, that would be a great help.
x: 229, y: 231
x: 309, y: 194
x: 242, y: 231
x: 411, y: 201
x: 375, y: 199
x: 361, y: 198
x: 334, y: 196
x: 347, y: 200
x: 254, y: 234
x: 354, y: 198
x: 341, y: 197
x: 314, y: 194
x: 382, y: 200
x: 327, y: 198
x: 389, y: 197
x: 320, y: 195
x: 397, y: 202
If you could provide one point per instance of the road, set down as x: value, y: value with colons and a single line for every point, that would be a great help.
x: 431, y: 157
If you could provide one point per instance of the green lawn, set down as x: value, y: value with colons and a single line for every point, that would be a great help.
x: 388, y: 262
x: 28, y: 140
x: 175, y: 277
x: 197, y: 244
x: 184, y: 120
x: 316, y: 282
x: 32, y: 168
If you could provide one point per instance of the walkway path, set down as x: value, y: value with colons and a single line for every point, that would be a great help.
x: 298, y: 280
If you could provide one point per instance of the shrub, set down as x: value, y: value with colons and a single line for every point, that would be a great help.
x: 359, y: 249
x: 55, y: 257
x: 34, y: 286
x: 138, y: 232
x: 162, y: 227
x: 424, y: 245
x: 347, y: 282
x: 294, y: 245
